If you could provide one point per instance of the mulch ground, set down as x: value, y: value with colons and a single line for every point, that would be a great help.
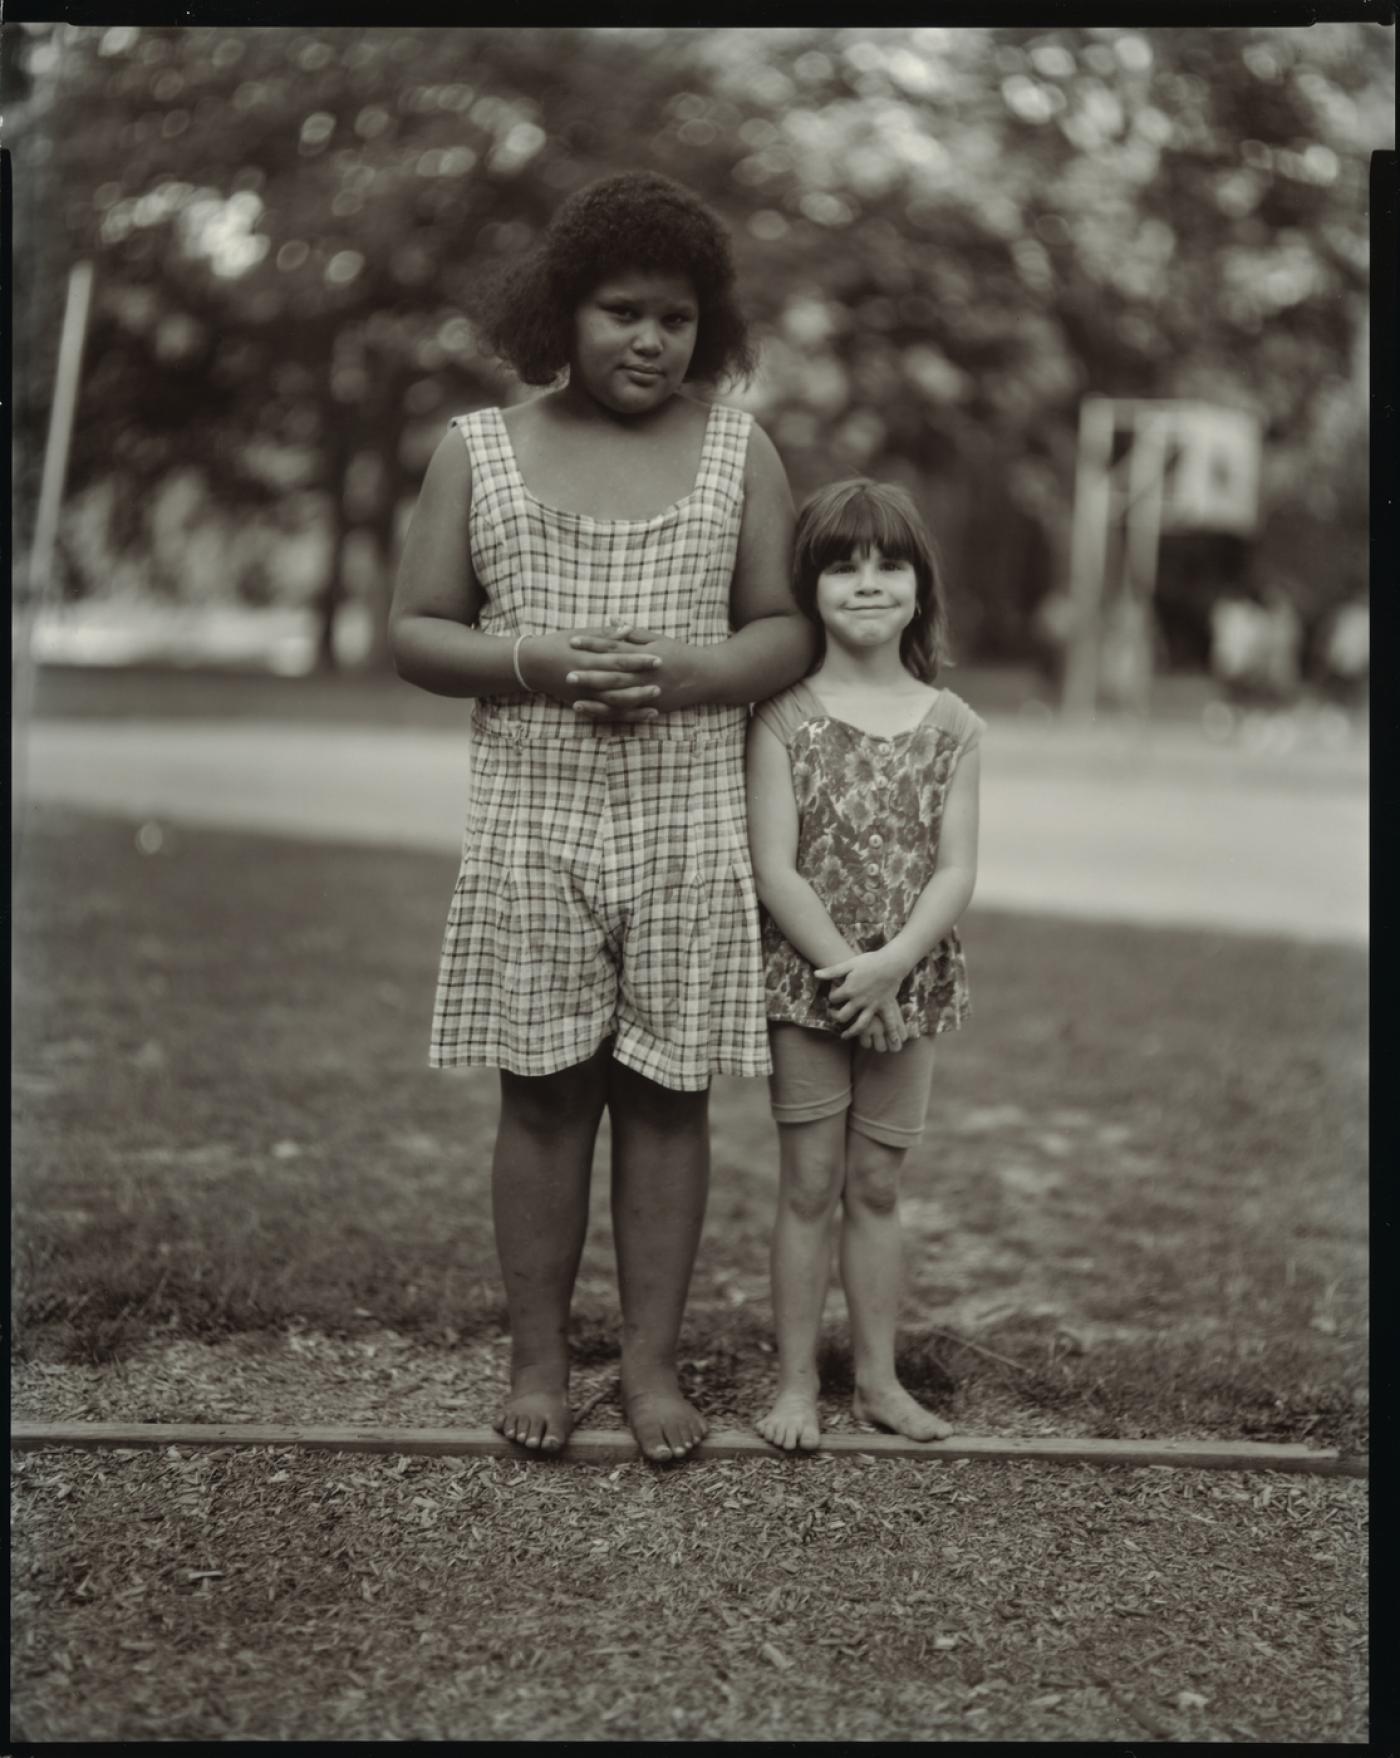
x: 292, y: 1596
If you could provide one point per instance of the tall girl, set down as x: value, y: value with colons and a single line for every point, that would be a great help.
x: 862, y: 800
x: 605, y: 568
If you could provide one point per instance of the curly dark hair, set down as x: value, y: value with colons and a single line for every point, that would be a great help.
x: 846, y: 516
x: 639, y: 220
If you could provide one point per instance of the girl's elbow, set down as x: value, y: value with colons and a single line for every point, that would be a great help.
x: 804, y: 642
x: 397, y: 650
x: 766, y: 883
x: 404, y: 650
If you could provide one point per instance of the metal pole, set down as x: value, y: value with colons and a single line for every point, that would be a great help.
x: 1088, y: 551
x: 41, y: 552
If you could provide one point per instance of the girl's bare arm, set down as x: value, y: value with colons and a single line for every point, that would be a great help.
x: 942, y: 901
x: 773, y: 824
x: 774, y: 643
x: 437, y: 599
x: 861, y: 983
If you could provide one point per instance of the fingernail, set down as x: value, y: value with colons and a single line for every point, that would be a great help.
x: 572, y: 678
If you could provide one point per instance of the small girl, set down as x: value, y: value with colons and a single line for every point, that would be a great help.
x: 862, y: 806
x: 605, y: 568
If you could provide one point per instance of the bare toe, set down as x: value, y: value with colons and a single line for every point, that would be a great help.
x: 894, y: 1409
x: 539, y: 1421
x: 792, y: 1423
x: 665, y: 1424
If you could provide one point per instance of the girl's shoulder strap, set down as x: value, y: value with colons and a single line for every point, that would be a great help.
x: 953, y: 716
x: 784, y: 713
x: 726, y: 443
x: 483, y: 432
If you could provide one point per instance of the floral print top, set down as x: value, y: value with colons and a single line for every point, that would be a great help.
x: 869, y: 812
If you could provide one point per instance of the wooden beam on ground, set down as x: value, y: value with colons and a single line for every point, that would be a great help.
x: 596, y: 1444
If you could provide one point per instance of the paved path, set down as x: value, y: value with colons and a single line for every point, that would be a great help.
x: 1159, y: 832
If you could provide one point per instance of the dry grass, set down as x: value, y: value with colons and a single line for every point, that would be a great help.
x: 1143, y: 1183
x: 278, y: 1595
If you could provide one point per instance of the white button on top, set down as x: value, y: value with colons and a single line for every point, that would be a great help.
x: 873, y: 869
x: 877, y: 841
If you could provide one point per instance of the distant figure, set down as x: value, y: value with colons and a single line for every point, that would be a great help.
x: 605, y: 568
x: 1346, y: 652
x: 863, y: 793
x: 1255, y: 649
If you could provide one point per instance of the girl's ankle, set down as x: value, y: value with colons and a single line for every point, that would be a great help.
x: 539, y: 1374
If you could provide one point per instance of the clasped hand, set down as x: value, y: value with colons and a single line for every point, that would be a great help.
x: 638, y: 673
x: 864, y: 997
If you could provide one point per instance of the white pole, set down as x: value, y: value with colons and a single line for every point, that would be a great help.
x: 1148, y: 465
x: 41, y: 550
x: 1088, y: 553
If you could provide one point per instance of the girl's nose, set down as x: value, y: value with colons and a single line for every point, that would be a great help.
x: 647, y: 339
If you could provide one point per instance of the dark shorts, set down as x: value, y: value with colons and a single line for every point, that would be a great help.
x: 818, y: 1074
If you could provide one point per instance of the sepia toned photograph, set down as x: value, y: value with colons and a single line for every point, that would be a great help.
x: 689, y: 880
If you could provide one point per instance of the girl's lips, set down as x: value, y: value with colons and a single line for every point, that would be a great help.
x: 642, y: 371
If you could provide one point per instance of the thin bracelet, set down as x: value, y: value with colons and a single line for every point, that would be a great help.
x: 515, y: 662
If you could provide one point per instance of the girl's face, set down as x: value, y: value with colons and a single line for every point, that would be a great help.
x: 867, y: 598
x: 634, y: 336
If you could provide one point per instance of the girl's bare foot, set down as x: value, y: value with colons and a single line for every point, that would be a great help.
x: 792, y: 1423
x: 665, y: 1423
x: 891, y: 1407
x: 535, y: 1415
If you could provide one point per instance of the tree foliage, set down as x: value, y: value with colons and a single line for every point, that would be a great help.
x: 948, y: 236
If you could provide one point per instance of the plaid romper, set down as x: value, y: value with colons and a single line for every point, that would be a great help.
x: 605, y: 888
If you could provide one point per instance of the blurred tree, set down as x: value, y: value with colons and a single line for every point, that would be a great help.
x: 947, y: 236
x: 285, y: 225
x: 959, y: 232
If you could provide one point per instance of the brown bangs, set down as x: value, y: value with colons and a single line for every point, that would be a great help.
x: 848, y: 522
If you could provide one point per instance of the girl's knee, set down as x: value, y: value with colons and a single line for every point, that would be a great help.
x: 664, y: 1109
x: 872, y: 1174
x: 813, y: 1167
x: 551, y: 1103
